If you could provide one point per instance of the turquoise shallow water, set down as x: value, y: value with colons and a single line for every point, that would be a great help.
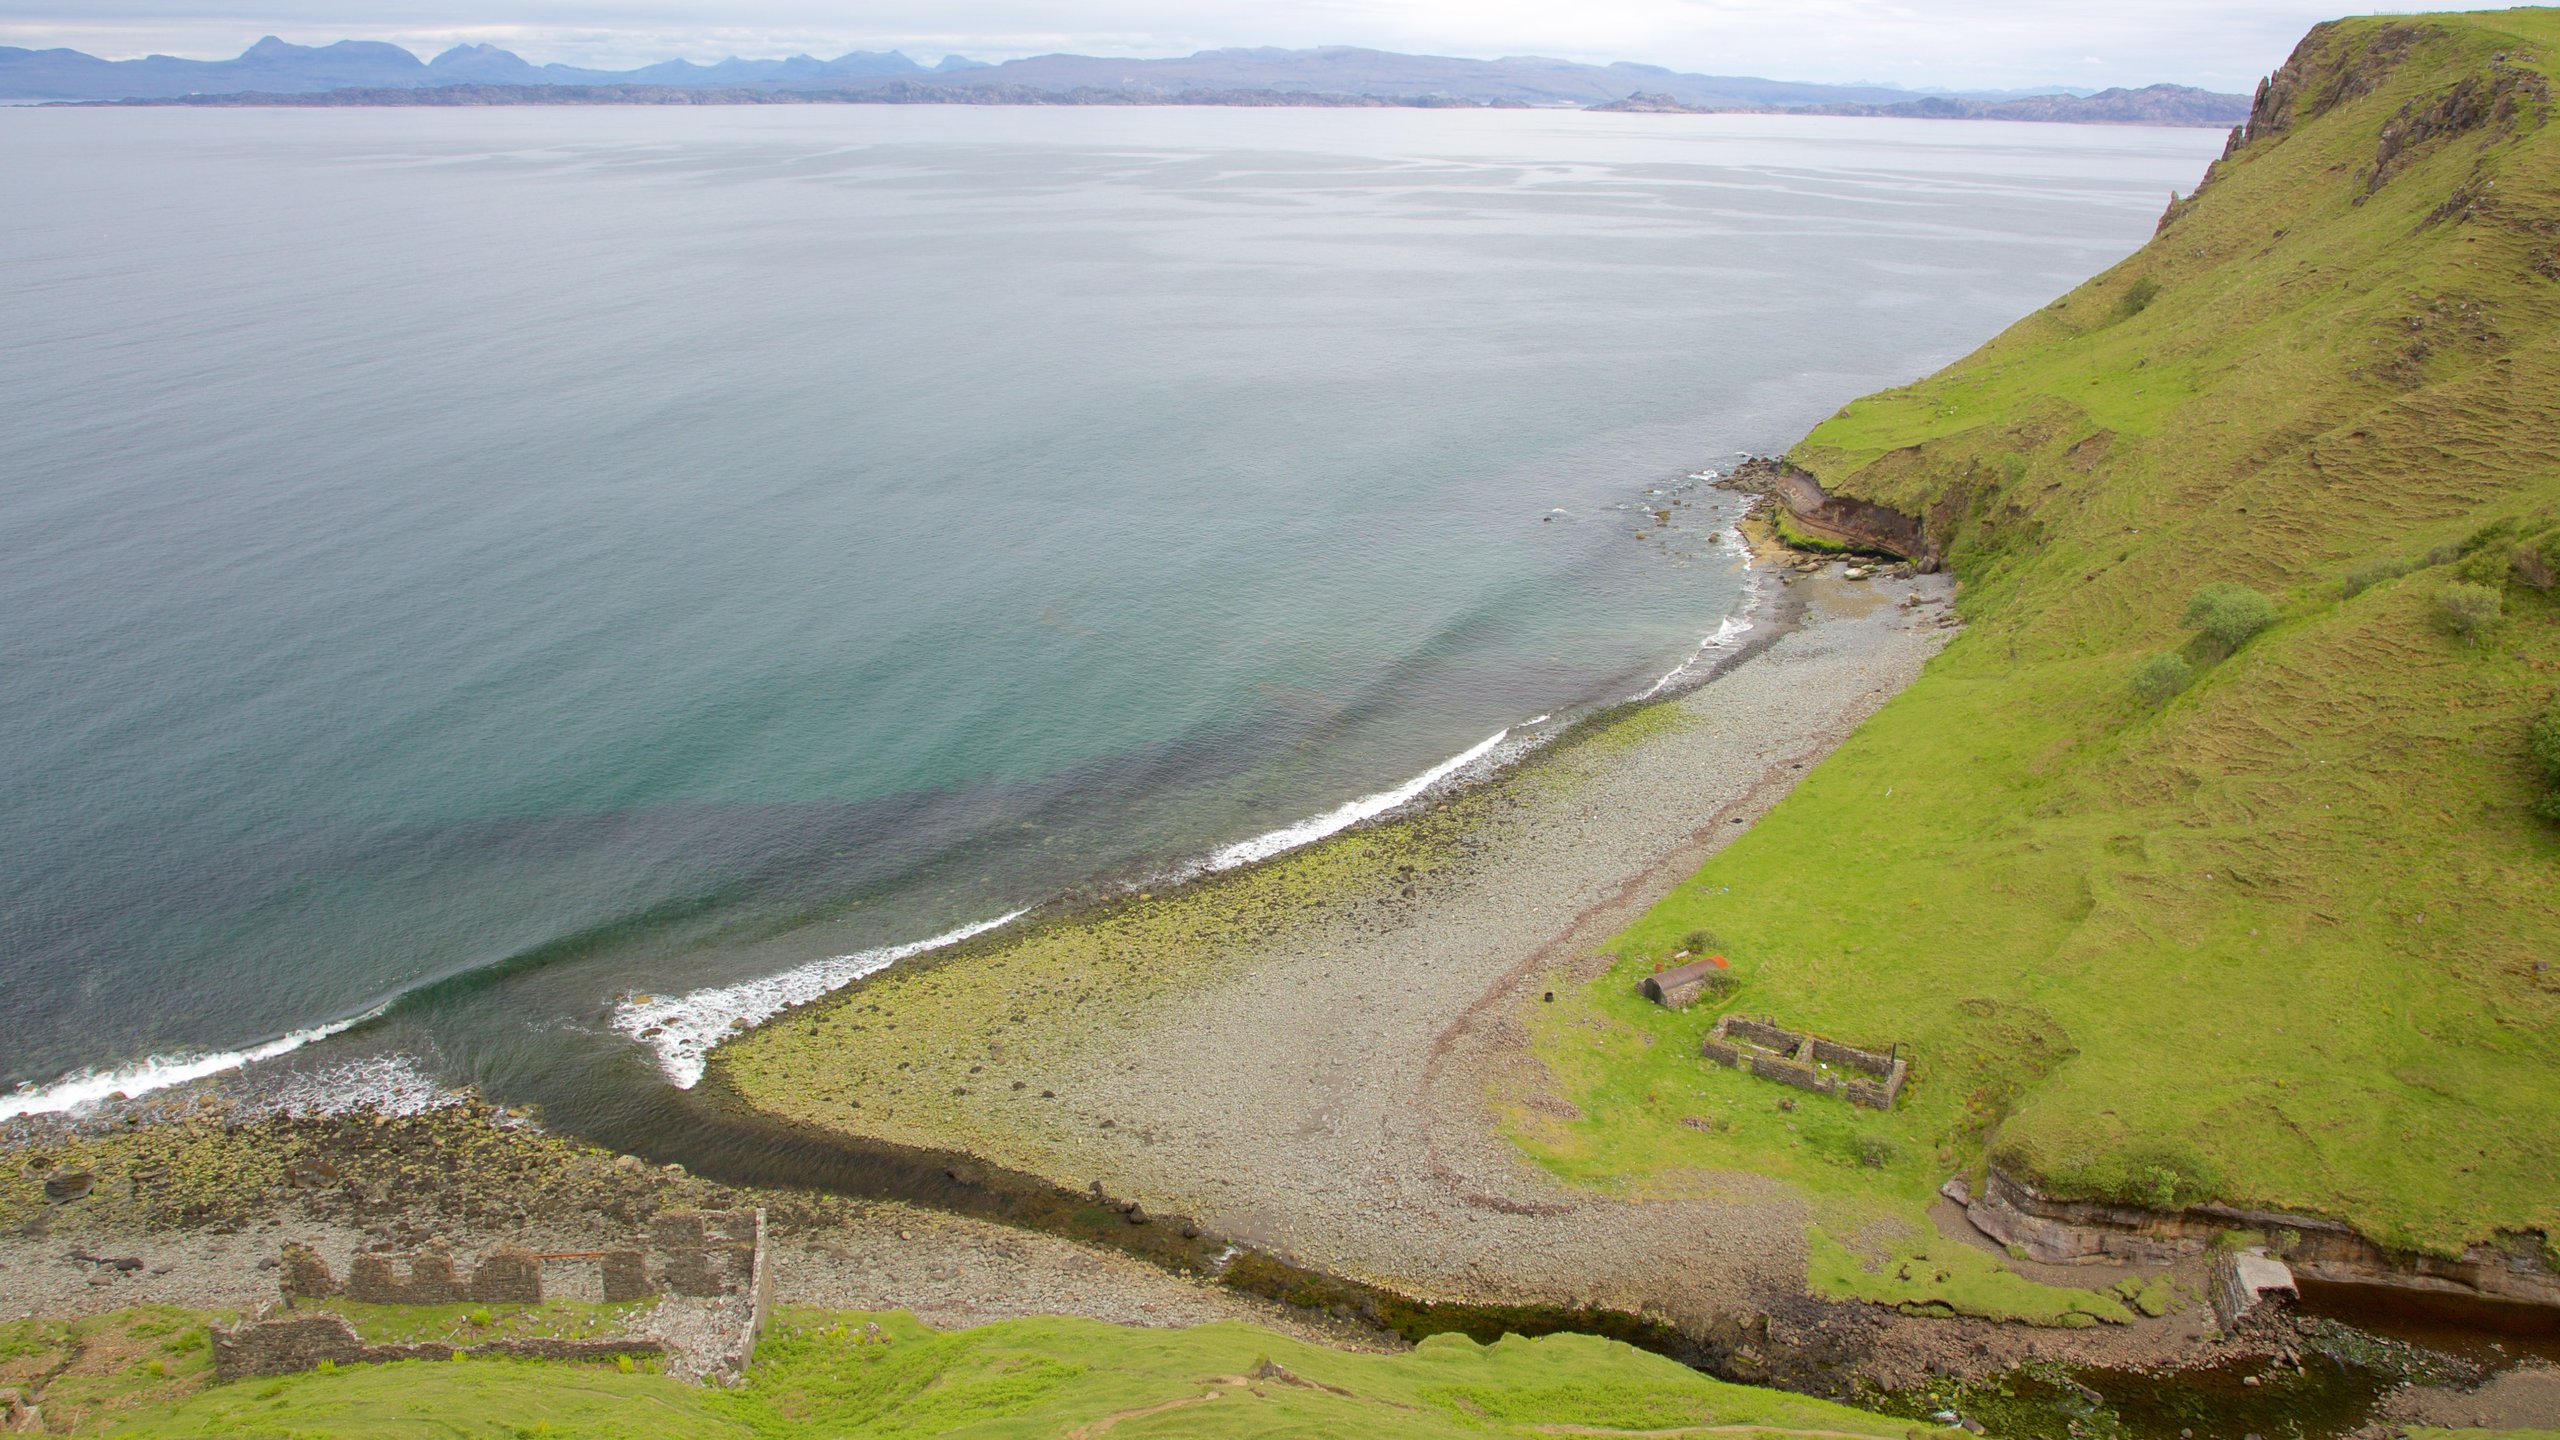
x: 560, y: 553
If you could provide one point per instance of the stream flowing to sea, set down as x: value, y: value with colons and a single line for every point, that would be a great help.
x: 551, y: 583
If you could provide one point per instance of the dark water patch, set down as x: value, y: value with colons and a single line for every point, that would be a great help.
x: 2491, y: 1333
x: 2322, y: 1400
x: 1415, y: 1320
x: 713, y: 1134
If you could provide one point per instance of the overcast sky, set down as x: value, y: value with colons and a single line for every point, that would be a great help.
x: 2223, y: 44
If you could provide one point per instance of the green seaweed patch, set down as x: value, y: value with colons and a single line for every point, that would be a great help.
x: 977, y: 1046
x: 1948, y: 1277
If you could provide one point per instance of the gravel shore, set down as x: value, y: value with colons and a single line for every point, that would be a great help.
x: 196, y: 1215
x: 1323, y: 1086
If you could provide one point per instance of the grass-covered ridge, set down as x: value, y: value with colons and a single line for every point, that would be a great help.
x: 822, y: 1373
x: 2280, y: 929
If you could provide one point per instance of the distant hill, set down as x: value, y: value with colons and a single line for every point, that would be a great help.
x: 2151, y: 105
x: 275, y: 67
x: 272, y: 68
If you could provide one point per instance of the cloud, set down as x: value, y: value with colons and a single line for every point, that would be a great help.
x: 1985, y: 43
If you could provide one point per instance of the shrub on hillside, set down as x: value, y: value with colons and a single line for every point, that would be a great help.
x: 2488, y: 537
x: 2139, y: 295
x: 2542, y: 742
x: 2374, y: 572
x: 2488, y: 568
x: 2464, y: 609
x: 2537, y: 562
x: 2158, y: 680
x: 2229, y: 614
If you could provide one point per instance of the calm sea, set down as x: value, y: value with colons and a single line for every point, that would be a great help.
x: 491, y: 563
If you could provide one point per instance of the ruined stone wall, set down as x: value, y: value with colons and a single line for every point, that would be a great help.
x: 1793, y: 1059
x: 506, y: 1276
x: 1850, y: 1057
x: 429, y: 1279
x: 1788, y: 1072
x: 289, y: 1345
x: 625, y: 1275
x: 1760, y: 1033
x: 705, y: 1255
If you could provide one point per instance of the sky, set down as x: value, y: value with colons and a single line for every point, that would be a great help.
x: 1984, y: 44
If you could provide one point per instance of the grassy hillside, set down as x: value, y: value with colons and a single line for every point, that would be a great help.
x: 2280, y: 937
x: 829, y: 1374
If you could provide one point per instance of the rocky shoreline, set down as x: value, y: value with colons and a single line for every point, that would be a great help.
x: 1370, y: 1192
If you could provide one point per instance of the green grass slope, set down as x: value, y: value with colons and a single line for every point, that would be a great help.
x: 2280, y: 939
x: 841, y: 1375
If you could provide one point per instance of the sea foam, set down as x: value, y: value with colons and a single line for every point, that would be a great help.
x: 1733, y: 628
x: 682, y: 1029
x: 1348, y: 813
x: 84, y: 1088
x: 374, y: 1085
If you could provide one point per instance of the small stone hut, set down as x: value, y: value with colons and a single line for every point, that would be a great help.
x: 1680, y: 987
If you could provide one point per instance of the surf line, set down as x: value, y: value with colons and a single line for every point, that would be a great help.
x: 684, y: 1029
x: 159, y: 1072
x: 1349, y: 813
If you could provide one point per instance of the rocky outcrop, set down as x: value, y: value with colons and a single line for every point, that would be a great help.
x: 1836, y: 519
x: 2513, y: 1268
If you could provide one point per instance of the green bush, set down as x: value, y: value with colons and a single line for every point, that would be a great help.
x: 2157, y: 680
x: 2374, y: 572
x: 2139, y: 295
x: 2542, y: 742
x: 2486, y: 567
x: 2464, y: 609
x: 2230, y: 614
x: 2537, y: 562
x: 2489, y: 536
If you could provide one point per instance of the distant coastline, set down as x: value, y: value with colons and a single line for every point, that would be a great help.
x: 371, y: 73
x: 2167, y: 105
x: 897, y: 93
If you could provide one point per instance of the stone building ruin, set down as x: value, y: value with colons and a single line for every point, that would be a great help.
x: 706, y: 1268
x: 1807, y: 1062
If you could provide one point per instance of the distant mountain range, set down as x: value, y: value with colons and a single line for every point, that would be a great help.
x: 369, y: 72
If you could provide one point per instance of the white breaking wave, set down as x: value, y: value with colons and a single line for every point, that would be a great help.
x: 1349, y: 813
x: 1734, y: 628
x: 84, y: 1088
x: 684, y: 1028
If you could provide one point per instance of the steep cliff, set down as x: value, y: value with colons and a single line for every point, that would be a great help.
x: 2277, y: 926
